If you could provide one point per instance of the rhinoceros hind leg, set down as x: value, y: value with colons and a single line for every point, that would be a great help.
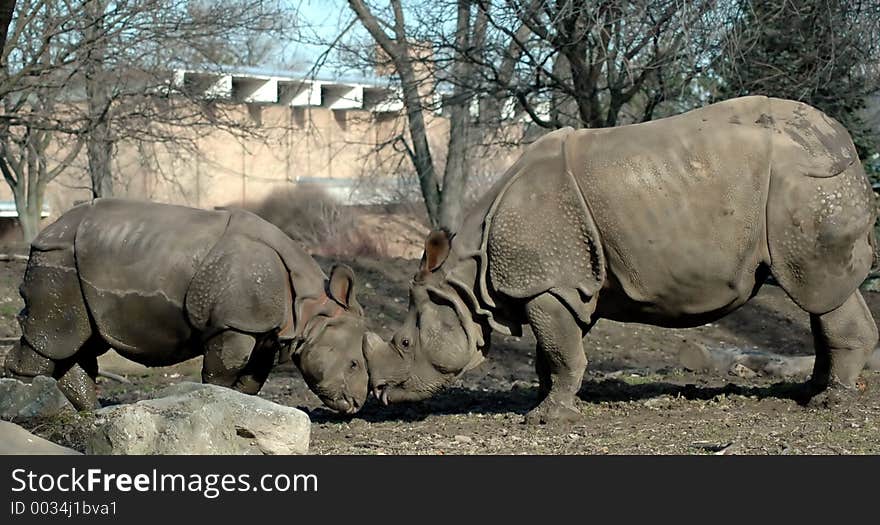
x: 75, y: 376
x: 55, y: 320
x: 226, y: 355
x: 844, y: 339
x: 23, y: 362
x: 560, y: 360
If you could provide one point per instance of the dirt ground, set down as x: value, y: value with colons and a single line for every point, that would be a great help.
x: 636, y: 397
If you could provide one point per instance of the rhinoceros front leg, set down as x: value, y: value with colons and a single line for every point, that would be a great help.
x: 227, y: 355
x: 560, y: 360
x: 258, y: 367
x: 844, y: 339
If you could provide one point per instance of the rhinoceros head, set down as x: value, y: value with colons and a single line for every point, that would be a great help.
x: 438, y: 340
x: 330, y: 351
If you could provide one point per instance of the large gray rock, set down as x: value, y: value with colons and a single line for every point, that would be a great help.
x: 193, y: 418
x: 16, y: 440
x: 39, y: 398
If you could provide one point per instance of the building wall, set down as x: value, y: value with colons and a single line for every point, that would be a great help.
x: 291, y: 144
x: 341, y: 149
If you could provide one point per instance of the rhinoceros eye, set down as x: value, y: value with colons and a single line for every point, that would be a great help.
x: 404, y: 342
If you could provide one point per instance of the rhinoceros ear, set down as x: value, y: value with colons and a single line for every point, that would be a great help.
x: 437, y: 247
x: 342, y: 286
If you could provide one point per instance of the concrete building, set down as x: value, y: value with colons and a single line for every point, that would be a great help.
x: 336, y: 133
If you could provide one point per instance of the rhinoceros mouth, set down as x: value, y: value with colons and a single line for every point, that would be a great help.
x: 380, y: 392
x: 343, y: 404
x: 405, y: 391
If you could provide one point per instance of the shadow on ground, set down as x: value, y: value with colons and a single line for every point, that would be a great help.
x: 458, y: 400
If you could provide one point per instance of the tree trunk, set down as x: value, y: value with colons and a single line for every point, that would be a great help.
x: 421, y: 156
x: 29, y: 220
x: 99, y: 142
x: 455, y: 174
x: 6, y: 9
x: 399, y: 52
x: 564, y: 110
x: 28, y: 205
x: 100, y: 152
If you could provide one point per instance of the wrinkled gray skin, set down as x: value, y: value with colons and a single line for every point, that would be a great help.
x: 675, y: 222
x: 162, y: 284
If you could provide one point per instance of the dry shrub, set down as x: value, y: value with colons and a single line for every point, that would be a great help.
x: 310, y: 215
x: 355, y: 243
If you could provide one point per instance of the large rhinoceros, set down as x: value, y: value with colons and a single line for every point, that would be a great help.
x: 675, y: 222
x: 161, y: 284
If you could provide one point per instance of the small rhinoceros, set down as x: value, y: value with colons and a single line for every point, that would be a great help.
x: 162, y: 284
x: 675, y: 223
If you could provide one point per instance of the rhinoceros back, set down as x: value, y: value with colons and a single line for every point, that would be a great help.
x: 135, y: 262
x: 680, y: 206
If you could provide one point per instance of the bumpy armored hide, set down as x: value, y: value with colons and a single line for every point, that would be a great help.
x: 51, y: 278
x: 539, y: 235
x: 806, y: 141
x: 820, y: 210
x: 135, y: 265
x: 306, y: 279
x: 241, y: 284
x: 680, y: 205
x: 678, y: 220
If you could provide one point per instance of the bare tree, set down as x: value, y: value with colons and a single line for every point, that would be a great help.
x: 99, y: 73
x: 6, y: 9
x: 127, y: 50
x: 27, y: 137
x: 598, y: 64
x: 554, y: 63
x: 98, y: 99
x: 823, y: 52
x: 423, y: 55
x: 401, y: 54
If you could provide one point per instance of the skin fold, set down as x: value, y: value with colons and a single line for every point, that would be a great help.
x: 162, y: 284
x: 675, y: 222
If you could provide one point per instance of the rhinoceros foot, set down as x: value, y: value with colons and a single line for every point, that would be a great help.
x: 552, y: 411
x: 835, y: 396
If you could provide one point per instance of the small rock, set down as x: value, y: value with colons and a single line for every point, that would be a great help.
x: 520, y: 384
x: 193, y: 418
x: 39, y: 398
x: 712, y: 446
x: 16, y: 440
x: 741, y: 370
x: 695, y: 358
x: 659, y: 402
x: 463, y: 439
